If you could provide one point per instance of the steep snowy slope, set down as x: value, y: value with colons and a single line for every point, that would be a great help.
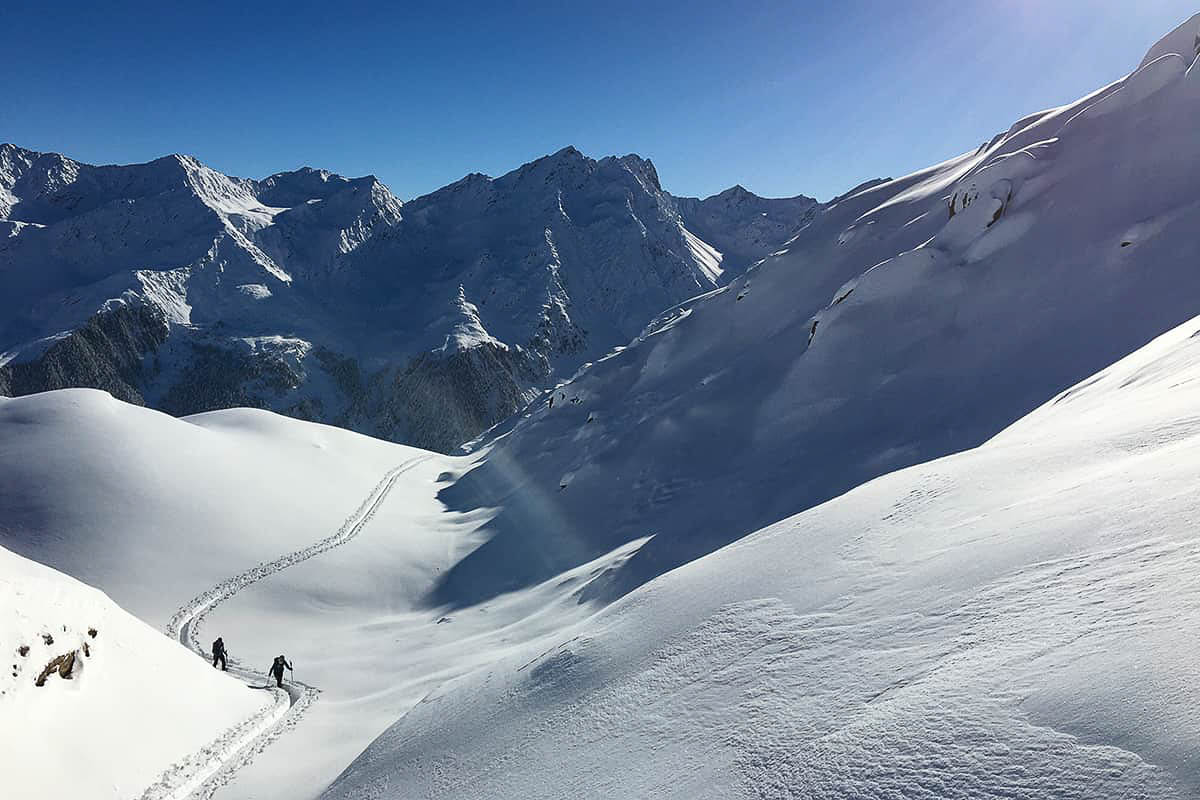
x: 123, y: 702
x: 912, y: 318
x: 1019, y: 620
x: 323, y: 297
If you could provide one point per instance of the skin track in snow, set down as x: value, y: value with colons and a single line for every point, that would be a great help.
x: 204, y: 772
x: 851, y: 615
x: 132, y: 701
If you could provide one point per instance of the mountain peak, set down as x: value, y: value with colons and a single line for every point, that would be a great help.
x: 9, y: 149
x: 567, y: 161
x: 294, y: 187
x: 176, y: 161
x: 735, y: 192
x: 567, y: 156
x: 568, y: 152
x: 643, y: 168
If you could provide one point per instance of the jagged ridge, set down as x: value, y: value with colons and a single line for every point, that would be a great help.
x: 451, y: 310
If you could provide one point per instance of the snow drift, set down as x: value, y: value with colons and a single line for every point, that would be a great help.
x: 155, y: 509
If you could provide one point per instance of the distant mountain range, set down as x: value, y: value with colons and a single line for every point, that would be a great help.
x: 172, y: 285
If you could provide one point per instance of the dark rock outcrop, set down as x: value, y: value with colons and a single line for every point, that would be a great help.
x: 107, y: 353
x: 447, y: 399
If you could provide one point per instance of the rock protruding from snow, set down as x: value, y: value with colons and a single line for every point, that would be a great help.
x: 121, y: 702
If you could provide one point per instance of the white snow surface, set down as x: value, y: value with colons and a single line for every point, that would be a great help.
x: 135, y: 701
x: 92, y: 481
x: 810, y: 597
x: 1019, y: 620
x: 160, y: 511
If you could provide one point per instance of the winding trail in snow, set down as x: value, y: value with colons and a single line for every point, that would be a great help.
x: 201, y: 774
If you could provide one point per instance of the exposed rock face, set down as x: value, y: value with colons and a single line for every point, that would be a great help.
x: 442, y: 398
x: 325, y: 297
x: 220, y: 377
x: 107, y: 352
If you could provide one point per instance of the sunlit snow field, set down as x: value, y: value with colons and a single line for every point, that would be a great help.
x: 906, y: 510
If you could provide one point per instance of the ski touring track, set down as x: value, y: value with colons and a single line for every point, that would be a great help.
x: 200, y: 775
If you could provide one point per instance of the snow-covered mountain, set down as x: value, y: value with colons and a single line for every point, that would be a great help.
x: 910, y: 319
x: 743, y: 226
x: 905, y: 510
x: 326, y: 298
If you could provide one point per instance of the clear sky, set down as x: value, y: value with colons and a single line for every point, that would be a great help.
x: 784, y: 98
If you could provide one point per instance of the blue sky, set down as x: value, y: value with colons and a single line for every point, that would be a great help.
x: 783, y: 98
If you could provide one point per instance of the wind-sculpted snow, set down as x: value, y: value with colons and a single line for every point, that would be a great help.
x: 1015, y: 621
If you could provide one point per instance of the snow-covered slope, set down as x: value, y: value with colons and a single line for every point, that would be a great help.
x: 964, y: 628
x: 324, y: 297
x: 127, y: 703
x: 159, y: 510
x: 912, y: 318
x: 1019, y: 620
x: 154, y: 509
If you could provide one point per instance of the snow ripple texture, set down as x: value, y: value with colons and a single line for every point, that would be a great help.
x: 201, y: 774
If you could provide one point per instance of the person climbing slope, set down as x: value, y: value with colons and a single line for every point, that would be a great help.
x: 277, y: 667
x: 218, y: 651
